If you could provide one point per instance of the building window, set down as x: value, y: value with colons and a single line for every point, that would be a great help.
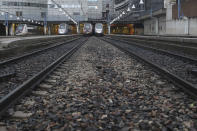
x: 93, y: 7
x: 19, y: 13
x: 76, y: 13
x: 92, y: 0
x: 43, y: 14
x: 7, y: 3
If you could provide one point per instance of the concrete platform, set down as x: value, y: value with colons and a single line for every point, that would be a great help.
x: 6, y: 41
x: 182, y: 39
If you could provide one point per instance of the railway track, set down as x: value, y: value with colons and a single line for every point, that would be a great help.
x: 102, y: 88
x: 27, y: 46
x: 186, y: 49
x: 21, y: 69
x: 6, y: 73
x: 177, y: 68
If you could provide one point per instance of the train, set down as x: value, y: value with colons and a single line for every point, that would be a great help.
x: 64, y: 29
x: 88, y: 29
x: 99, y: 30
x: 25, y: 29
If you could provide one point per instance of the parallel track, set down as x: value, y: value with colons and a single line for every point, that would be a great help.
x: 15, y: 59
x: 30, y: 84
x: 189, y: 49
x: 33, y: 53
x: 180, y: 82
x: 22, y: 47
x: 160, y: 50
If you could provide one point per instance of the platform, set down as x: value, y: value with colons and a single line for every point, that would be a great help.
x: 171, y: 38
x: 7, y: 41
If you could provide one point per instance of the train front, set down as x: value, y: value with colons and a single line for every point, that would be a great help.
x: 62, y: 29
x: 20, y: 30
x: 99, y: 29
x: 87, y: 30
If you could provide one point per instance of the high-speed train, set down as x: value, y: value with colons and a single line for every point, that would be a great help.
x: 88, y: 29
x: 25, y: 29
x: 98, y: 29
x: 64, y: 29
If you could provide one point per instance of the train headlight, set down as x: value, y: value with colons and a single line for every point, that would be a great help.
x: 99, y: 31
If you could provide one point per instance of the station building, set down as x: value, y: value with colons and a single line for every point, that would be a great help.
x: 46, y: 11
x: 158, y: 17
x: 13, y: 12
x: 165, y: 20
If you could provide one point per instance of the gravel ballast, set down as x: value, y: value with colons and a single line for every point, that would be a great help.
x: 102, y: 88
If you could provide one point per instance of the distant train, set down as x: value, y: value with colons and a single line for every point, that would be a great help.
x: 25, y: 29
x: 64, y: 29
x: 99, y: 31
x: 88, y: 29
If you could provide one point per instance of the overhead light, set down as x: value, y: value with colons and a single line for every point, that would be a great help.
x: 128, y: 9
x: 56, y: 7
x: 60, y: 9
x: 18, y: 18
x: 123, y: 13
x: 23, y: 19
x: 2, y: 13
x: 29, y: 20
x: 50, y: 2
x: 141, y: 2
x: 133, y: 7
x: 11, y: 16
x: 120, y: 15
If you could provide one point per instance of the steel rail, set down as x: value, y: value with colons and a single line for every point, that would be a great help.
x: 12, y: 60
x: 158, y: 50
x: 30, y: 84
x: 189, y: 88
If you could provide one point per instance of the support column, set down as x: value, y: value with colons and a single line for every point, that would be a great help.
x: 169, y: 28
x: 6, y: 24
x: 186, y: 25
x: 77, y: 28
x: 49, y: 30
x: 12, y: 29
x: 45, y: 25
x: 156, y: 26
x: 179, y: 9
x: 45, y: 30
x: 6, y: 29
x: 169, y: 12
x: 109, y: 29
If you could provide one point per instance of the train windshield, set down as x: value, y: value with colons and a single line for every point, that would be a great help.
x: 62, y: 26
x: 100, y: 26
x: 20, y: 27
x: 87, y: 26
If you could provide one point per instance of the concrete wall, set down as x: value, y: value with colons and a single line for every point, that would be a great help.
x: 155, y: 26
x: 193, y: 26
x: 148, y: 27
x: 182, y: 27
x: 170, y: 27
x: 162, y: 26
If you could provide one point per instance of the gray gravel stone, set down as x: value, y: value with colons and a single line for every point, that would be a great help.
x: 102, y: 88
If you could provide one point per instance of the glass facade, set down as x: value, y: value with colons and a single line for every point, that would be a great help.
x: 23, y: 10
x: 42, y: 10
